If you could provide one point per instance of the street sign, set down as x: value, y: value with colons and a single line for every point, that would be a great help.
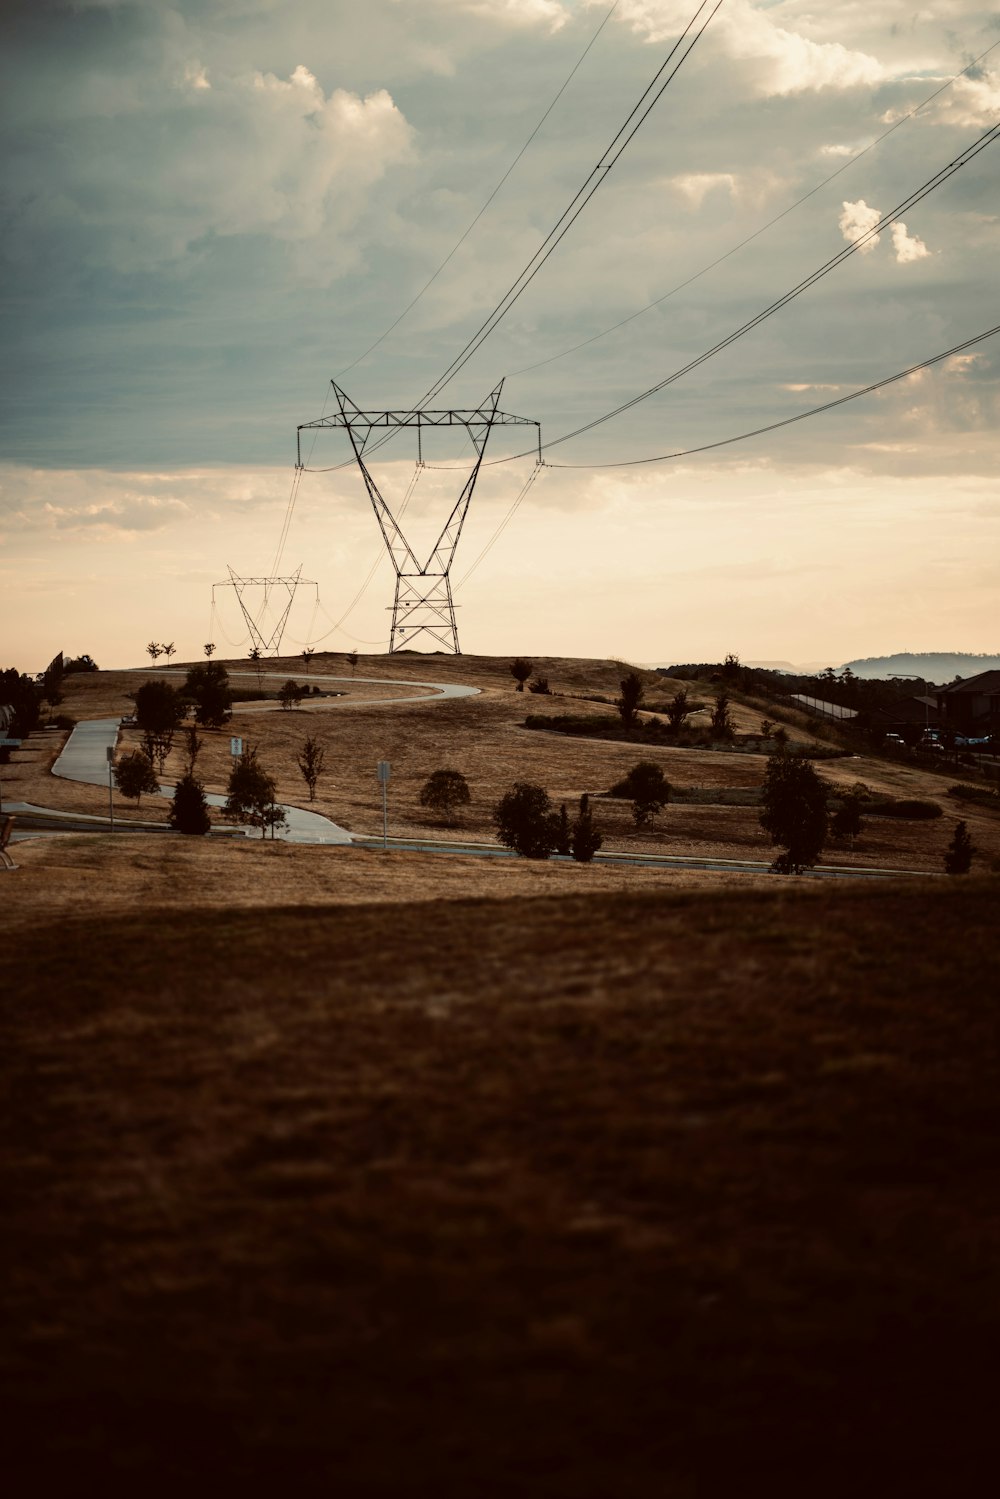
x: 109, y: 751
x: 384, y: 771
x: 235, y: 746
x: 10, y: 743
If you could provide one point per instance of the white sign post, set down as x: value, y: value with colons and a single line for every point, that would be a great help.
x: 384, y: 771
x: 235, y: 747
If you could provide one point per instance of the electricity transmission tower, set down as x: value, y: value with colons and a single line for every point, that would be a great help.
x: 423, y: 603
x: 275, y: 623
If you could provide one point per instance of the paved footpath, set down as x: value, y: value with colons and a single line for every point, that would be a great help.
x: 85, y: 758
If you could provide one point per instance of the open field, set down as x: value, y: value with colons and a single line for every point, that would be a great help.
x: 624, y: 1192
x: 484, y: 737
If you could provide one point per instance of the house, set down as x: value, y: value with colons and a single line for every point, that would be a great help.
x: 971, y: 707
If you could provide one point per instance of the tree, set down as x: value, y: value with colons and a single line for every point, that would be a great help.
x: 209, y: 686
x: 169, y: 650
x: 585, y: 839
x: 794, y: 812
x: 731, y: 667
x: 154, y: 651
x: 445, y: 791
x: 134, y: 775
x: 678, y: 709
x: 352, y: 660
x: 194, y: 745
x: 18, y: 691
x: 189, y: 809
x: 290, y: 695
x: 80, y: 663
x: 159, y: 709
x: 209, y: 649
x: 722, y: 723
x: 520, y: 670
x: 525, y: 822
x: 307, y: 656
x: 251, y: 794
x: 255, y: 657
x: 630, y: 701
x: 541, y: 686
x: 562, y: 834
x: 649, y: 791
x: 766, y: 728
x: 846, y: 821
x: 958, y: 857
x: 311, y: 763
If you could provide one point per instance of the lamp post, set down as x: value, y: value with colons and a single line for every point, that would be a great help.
x: 110, y: 752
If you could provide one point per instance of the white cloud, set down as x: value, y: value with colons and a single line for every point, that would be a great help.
x: 856, y: 219
x: 786, y: 61
x: 907, y: 247
x: 695, y: 186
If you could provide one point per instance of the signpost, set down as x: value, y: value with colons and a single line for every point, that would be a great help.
x: 110, y: 752
x: 235, y: 746
x: 384, y: 771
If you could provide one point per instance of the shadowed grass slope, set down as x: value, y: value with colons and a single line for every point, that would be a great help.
x: 636, y: 1195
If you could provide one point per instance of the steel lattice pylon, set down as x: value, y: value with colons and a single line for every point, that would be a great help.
x: 423, y: 603
x: 272, y: 642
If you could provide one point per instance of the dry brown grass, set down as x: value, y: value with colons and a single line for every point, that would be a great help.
x: 484, y: 737
x: 622, y: 1193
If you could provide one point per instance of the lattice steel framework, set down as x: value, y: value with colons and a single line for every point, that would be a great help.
x: 423, y: 602
x: 272, y: 642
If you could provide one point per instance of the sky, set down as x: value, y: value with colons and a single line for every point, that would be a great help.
x: 211, y: 208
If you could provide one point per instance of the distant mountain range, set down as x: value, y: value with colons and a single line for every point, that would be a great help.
x: 934, y: 666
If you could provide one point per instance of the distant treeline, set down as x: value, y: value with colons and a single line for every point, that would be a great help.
x: 937, y: 666
x: 844, y: 688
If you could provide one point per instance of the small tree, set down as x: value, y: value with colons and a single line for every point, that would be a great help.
x: 311, y: 763
x: 678, y: 709
x: 780, y: 737
x: 209, y: 686
x: 134, y: 775
x: 648, y: 789
x: 290, y: 695
x: 958, y: 857
x: 794, y: 812
x: 731, y: 667
x: 352, y: 660
x: 307, y: 656
x: 766, y: 728
x: 193, y: 745
x: 154, y: 650
x: 846, y: 821
x: 251, y: 794
x: 541, y: 686
x: 446, y: 791
x: 585, y: 840
x: 562, y: 833
x: 159, y: 709
x: 525, y: 822
x: 520, y: 670
x: 189, y: 809
x: 255, y: 657
x: 630, y: 701
x: 209, y: 649
x: 722, y: 723
x: 169, y: 650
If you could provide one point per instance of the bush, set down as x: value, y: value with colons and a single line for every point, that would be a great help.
x: 585, y: 840
x: 189, y: 809
x: 541, y: 686
x: 445, y: 791
x: 525, y: 821
x: 647, y: 788
x: 907, y: 809
x: 986, y: 796
x: 958, y: 857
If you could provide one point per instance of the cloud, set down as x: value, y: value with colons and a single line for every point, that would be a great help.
x: 695, y: 186
x: 856, y: 220
x: 907, y: 247
x: 785, y: 62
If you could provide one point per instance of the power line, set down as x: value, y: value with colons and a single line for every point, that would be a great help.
x: 626, y: 133
x: 790, y: 420
x: 939, y: 177
x: 460, y: 242
x: 904, y: 119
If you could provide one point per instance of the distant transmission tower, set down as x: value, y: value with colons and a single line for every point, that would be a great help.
x: 423, y: 602
x: 271, y: 642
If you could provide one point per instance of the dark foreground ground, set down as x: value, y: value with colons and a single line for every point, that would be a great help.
x: 641, y: 1195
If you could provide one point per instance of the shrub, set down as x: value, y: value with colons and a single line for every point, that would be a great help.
x: 630, y: 700
x: 585, y: 840
x: 908, y: 809
x: 647, y: 788
x: 445, y: 791
x: 541, y: 686
x: 189, y: 809
x: 986, y: 796
x: 525, y: 822
x: 958, y: 856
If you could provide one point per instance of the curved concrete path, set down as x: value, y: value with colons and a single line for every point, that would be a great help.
x: 85, y: 759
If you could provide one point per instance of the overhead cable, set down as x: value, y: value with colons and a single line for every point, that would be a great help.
x: 790, y: 420
x: 460, y: 242
x: 657, y: 301
x: 598, y: 174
